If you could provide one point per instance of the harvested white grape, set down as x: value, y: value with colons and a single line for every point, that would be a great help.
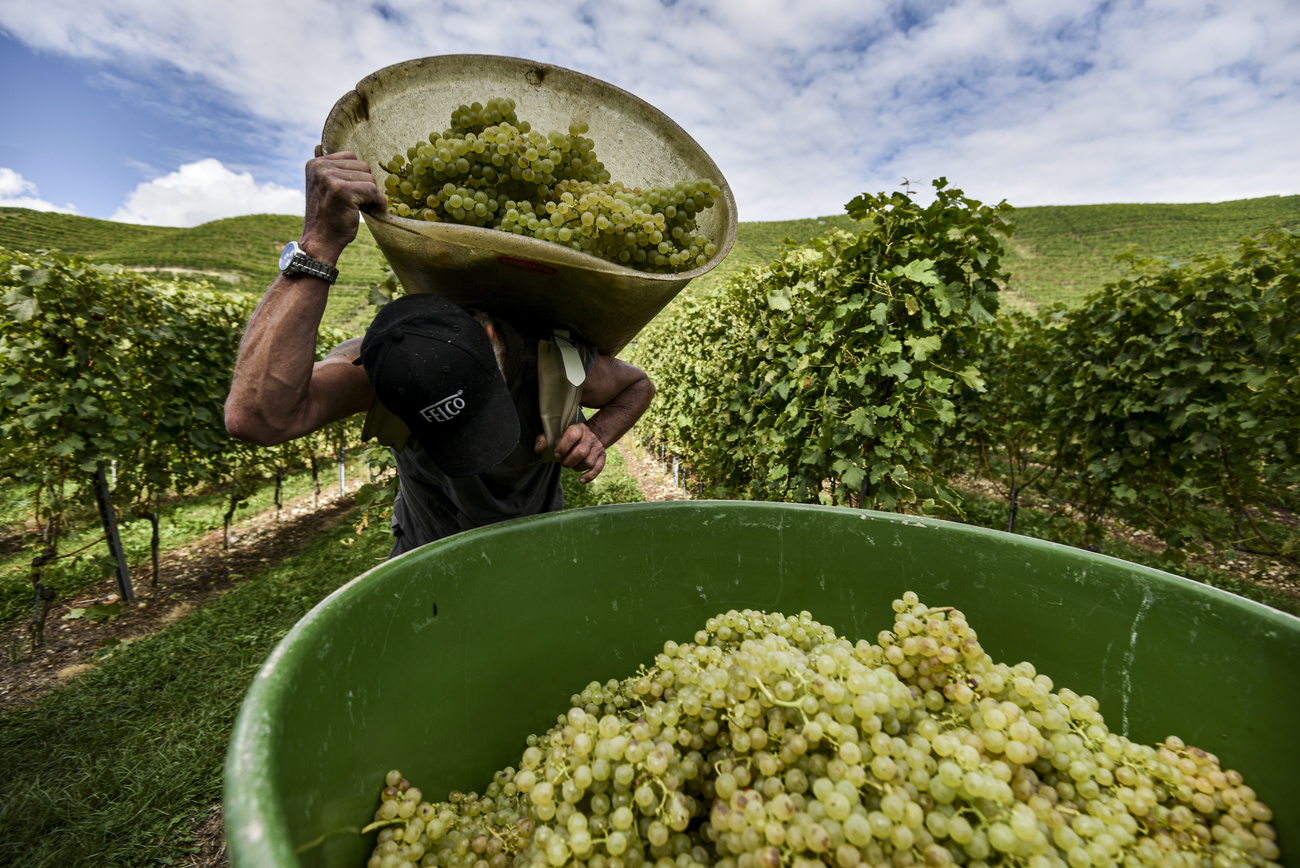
x: 491, y: 169
x: 771, y: 741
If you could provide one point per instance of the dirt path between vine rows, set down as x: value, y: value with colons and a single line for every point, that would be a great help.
x: 191, y: 576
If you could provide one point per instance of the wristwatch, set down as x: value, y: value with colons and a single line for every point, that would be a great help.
x: 293, y: 260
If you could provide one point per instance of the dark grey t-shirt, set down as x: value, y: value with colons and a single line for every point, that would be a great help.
x: 432, y: 505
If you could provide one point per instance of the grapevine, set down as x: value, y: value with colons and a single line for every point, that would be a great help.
x: 828, y: 375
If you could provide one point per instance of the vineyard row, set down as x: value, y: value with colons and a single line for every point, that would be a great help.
x: 111, y: 403
x: 867, y: 368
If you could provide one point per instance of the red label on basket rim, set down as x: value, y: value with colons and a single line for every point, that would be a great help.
x: 527, y: 265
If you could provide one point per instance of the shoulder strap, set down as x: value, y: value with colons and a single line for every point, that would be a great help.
x: 561, y: 371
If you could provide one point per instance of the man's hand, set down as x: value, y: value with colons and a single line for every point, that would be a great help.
x: 621, y: 393
x: 338, y: 187
x: 580, y: 449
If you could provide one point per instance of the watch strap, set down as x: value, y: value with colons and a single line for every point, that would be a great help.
x: 301, y: 263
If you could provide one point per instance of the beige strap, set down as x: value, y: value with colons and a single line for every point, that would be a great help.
x: 574, y: 370
x: 558, y: 395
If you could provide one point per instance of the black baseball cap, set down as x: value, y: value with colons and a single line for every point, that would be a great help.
x: 432, y: 366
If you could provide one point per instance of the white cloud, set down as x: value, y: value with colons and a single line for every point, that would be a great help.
x: 1146, y: 104
x: 204, y: 191
x: 17, y: 192
x: 803, y: 105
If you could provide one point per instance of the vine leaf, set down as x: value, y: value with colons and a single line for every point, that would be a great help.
x: 919, y: 270
x: 779, y: 300
x: 22, y: 304
x: 923, y: 346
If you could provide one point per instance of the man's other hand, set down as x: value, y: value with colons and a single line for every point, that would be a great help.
x: 579, y: 449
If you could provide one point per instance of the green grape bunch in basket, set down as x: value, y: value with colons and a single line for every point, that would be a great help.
x: 491, y: 169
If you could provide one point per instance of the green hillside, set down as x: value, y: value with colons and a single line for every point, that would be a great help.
x: 1060, y: 253
x: 757, y: 243
x: 1057, y: 253
x: 241, y: 250
x: 1065, y: 253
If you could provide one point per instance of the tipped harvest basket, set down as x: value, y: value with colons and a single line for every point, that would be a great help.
x: 514, y: 275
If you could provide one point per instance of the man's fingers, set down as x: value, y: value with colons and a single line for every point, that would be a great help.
x: 579, y: 449
x: 346, y: 162
x: 351, y: 175
x: 336, y: 156
x: 597, y: 466
x: 336, y: 175
x: 571, y: 437
x: 376, y: 197
x: 362, y: 193
x: 354, y: 189
x: 577, y: 456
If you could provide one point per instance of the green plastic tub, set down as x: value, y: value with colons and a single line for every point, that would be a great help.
x: 441, y: 662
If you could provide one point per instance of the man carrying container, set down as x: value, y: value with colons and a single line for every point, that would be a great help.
x: 454, y: 392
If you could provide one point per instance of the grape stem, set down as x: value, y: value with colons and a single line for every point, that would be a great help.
x: 790, y: 704
x: 316, y: 842
x: 717, y: 766
x: 510, y: 844
x: 979, y: 815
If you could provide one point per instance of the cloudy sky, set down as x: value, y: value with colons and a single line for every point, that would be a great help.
x: 175, y: 112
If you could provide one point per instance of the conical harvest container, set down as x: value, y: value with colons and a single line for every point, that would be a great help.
x: 513, y: 275
x: 441, y: 662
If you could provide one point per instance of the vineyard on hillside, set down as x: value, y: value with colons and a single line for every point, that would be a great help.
x: 856, y: 359
x: 241, y: 251
x: 866, y: 364
x: 1057, y: 253
x: 1062, y: 254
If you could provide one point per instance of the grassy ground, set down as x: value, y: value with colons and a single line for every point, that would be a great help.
x: 119, y: 767
x: 614, y: 485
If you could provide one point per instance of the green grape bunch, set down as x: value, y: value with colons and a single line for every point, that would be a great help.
x: 771, y: 741
x: 491, y: 169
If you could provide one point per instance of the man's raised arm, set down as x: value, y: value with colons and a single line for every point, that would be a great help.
x: 278, y: 391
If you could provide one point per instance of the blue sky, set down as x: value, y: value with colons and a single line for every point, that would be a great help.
x: 179, y: 112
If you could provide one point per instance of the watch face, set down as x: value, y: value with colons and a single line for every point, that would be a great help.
x: 286, y: 256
